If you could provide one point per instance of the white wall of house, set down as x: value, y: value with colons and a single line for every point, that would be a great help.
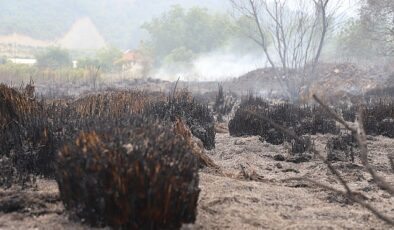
x: 23, y: 61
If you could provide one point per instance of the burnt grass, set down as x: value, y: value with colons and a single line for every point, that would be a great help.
x: 119, y: 162
x: 112, y: 151
x: 139, y: 177
x: 378, y: 117
x: 254, y: 114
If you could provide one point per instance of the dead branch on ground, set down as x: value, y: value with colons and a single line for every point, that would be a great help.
x: 359, y: 132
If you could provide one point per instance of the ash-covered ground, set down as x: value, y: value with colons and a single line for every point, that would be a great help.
x: 251, y: 193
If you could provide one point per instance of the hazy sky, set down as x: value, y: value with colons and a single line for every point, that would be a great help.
x: 118, y: 21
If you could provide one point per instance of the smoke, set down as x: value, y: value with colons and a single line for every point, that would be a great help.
x: 213, y: 66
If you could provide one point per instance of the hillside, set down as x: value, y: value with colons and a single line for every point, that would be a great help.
x: 117, y: 20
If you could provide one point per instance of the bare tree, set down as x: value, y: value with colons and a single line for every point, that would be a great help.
x: 252, y: 9
x: 321, y: 8
x: 297, y: 29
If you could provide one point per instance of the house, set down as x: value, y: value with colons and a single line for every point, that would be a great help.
x: 135, y: 64
x: 23, y: 61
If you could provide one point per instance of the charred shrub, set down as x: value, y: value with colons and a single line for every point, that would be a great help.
x: 7, y: 172
x: 246, y: 122
x: 223, y: 104
x: 198, y: 117
x: 274, y: 137
x: 348, y: 113
x: 255, y: 117
x: 300, y: 150
x: 16, y: 112
x: 25, y: 135
x: 322, y: 123
x: 301, y: 145
x: 142, y: 177
x: 378, y: 119
x: 341, y: 148
x: 386, y: 127
x: 247, y: 119
x: 378, y: 116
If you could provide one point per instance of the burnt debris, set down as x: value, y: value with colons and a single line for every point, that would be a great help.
x: 142, y: 177
x: 197, y: 116
x: 254, y: 115
x: 341, y: 148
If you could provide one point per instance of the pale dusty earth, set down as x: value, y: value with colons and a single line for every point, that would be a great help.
x: 233, y: 202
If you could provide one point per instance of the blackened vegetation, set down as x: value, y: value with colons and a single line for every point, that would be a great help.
x: 224, y: 104
x: 302, y: 145
x: 341, y: 148
x: 378, y: 117
x: 143, y: 177
x: 122, y: 163
x: 7, y: 173
x: 198, y: 117
x: 247, y: 120
x: 25, y: 136
x: 254, y: 116
x: 379, y: 93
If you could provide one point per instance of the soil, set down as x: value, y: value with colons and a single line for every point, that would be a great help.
x: 251, y: 192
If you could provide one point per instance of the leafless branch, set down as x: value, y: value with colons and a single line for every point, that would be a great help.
x: 362, y: 140
x: 334, y: 115
x: 352, y: 196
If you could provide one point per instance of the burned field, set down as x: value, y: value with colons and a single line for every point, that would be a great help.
x: 128, y: 159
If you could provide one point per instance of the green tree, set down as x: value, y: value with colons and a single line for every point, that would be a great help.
x: 196, y: 31
x: 178, y: 55
x: 352, y: 41
x: 54, y: 57
x: 377, y: 19
x: 372, y: 34
x: 88, y: 62
x: 105, y: 59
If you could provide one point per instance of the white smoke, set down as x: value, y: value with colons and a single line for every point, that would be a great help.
x: 214, y: 66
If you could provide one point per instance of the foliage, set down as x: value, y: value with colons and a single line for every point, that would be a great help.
x: 54, y: 58
x: 118, y: 21
x: 352, y: 41
x: 377, y: 19
x: 88, y: 62
x: 372, y: 34
x: 181, y: 35
x: 179, y: 55
x: 104, y: 59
